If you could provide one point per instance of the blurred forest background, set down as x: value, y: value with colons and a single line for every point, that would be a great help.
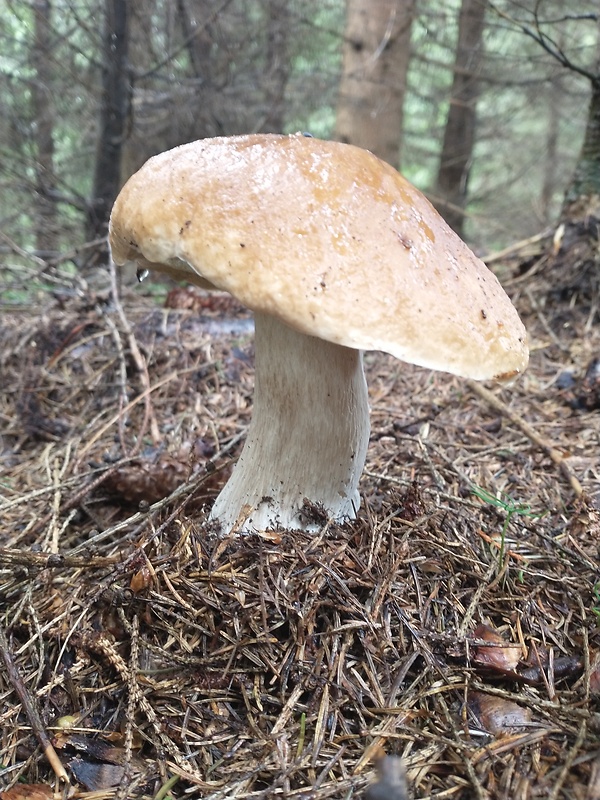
x: 483, y: 105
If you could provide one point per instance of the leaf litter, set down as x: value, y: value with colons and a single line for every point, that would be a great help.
x: 453, y: 627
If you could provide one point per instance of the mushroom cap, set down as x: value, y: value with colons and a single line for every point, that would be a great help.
x: 327, y: 238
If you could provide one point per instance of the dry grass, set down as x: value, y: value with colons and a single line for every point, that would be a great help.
x: 166, y: 662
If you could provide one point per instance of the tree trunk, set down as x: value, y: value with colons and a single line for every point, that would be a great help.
x: 459, y: 134
x: 114, y: 115
x: 549, y: 180
x: 46, y: 223
x: 586, y: 177
x: 373, y: 84
x: 277, y: 64
x: 197, y: 38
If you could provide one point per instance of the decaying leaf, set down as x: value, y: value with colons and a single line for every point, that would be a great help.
x: 497, y: 715
x: 141, y: 579
x: 494, y: 652
x: 96, y: 776
x: 28, y: 791
x: 586, y: 393
x: 411, y: 504
x: 584, y: 525
x: 99, y: 750
x: 100, y: 764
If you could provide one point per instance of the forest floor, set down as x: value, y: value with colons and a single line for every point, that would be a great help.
x: 455, y: 623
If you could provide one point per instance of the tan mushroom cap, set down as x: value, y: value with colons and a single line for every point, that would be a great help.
x: 327, y: 238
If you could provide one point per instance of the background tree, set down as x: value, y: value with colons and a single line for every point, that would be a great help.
x: 277, y: 64
x: 570, y: 38
x: 580, y: 55
x: 113, y: 117
x: 217, y: 67
x: 263, y: 66
x: 459, y: 133
x: 45, y: 213
x: 515, y: 185
x: 375, y: 67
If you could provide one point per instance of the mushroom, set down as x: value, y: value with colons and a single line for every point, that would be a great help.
x: 336, y: 253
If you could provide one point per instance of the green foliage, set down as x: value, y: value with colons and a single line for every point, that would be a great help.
x: 510, y: 508
x: 22, y: 284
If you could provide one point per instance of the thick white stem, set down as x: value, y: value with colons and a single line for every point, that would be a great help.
x: 308, y: 436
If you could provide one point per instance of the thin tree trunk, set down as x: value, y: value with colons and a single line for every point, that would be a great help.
x: 46, y: 227
x: 459, y: 134
x: 586, y: 177
x: 375, y: 67
x: 551, y: 154
x: 277, y: 64
x: 114, y: 117
x: 197, y: 38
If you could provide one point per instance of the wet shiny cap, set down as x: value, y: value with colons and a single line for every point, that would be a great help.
x: 327, y: 238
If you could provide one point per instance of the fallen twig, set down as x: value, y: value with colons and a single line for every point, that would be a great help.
x: 140, y: 362
x: 555, y: 454
x: 30, y: 709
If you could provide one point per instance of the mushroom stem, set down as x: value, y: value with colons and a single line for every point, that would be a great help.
x: 308, y: 437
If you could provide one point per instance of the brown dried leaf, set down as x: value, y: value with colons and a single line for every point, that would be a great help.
x: 270, y: 536
x: 28, y: 791
x: 141, y: 579
x: 498, y: 654
x: 584, y: 525
x: 99, y: 749
x: 497, y: 715
x: 411, y: 504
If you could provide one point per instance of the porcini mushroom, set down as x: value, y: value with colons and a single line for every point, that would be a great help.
x: 336, y: 253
